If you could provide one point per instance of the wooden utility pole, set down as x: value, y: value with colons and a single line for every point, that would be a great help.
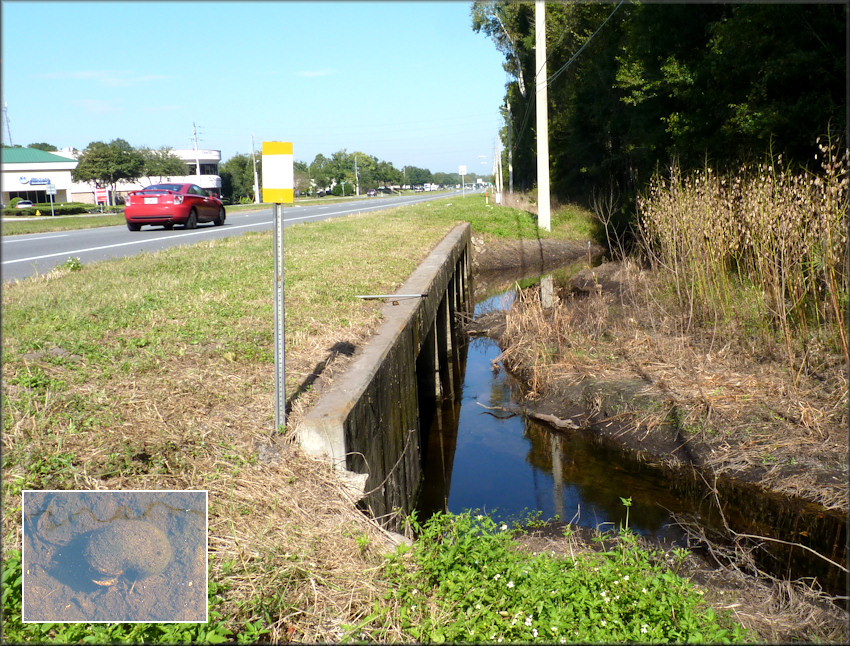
x: 542, y: 95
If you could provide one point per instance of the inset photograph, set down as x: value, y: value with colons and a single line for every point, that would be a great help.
x: 115, y: 556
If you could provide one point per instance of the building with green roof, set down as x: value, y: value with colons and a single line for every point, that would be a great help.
x: 28, y: 172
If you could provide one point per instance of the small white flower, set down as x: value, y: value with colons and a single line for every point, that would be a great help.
x: 644, y: 628
x: 534, y: 632
x: 479, y: 517
x: 503, y: 527
x: 626, y: 578
x: 528, y: 620
x: 415, y: 591
x: 644, y: 590
x: 510, y: 584
x: 563, y: 640
x: 497, y: 577
x: 603, y: 622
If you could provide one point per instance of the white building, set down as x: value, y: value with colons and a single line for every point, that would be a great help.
x: 26, y: 172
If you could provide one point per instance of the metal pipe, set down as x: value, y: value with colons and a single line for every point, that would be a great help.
x: 393, y: 296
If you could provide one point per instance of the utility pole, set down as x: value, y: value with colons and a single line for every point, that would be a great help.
x: 510, y: 153
x: 356, y: 178
x: 197, y: 154
x: 256, y: 177
x: 6, y: 117
x: 542, y: 99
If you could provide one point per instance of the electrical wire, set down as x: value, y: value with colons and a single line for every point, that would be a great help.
x: 556, y: 74
x: 563, y: 68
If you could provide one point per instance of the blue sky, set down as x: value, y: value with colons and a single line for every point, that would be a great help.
x: 407, y: 82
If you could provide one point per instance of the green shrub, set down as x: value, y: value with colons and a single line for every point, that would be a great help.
x: 468, y: 581
x: 63, y: 208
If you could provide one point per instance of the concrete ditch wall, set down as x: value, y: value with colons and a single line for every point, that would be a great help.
x: 367, y: 423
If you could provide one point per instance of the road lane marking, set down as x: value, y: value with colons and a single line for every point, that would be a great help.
x: 19, y: 239
x: 201, y: 232
x: 120, y: 244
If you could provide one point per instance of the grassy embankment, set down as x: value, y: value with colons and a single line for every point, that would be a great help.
x: 156, y: 372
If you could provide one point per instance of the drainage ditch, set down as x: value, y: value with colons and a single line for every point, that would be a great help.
x: 480, y: 457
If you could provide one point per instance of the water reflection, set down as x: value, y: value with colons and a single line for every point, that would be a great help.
x: 506, y: 464
x: 482, y: 455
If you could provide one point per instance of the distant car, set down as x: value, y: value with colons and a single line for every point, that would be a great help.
x: 23, y: 204
x: 170, y: 204
x: 372, y: 192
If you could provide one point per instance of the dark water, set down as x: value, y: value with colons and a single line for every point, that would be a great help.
x: 480, y: 457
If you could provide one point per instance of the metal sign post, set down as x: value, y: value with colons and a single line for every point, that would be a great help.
x: 51, y: 191
x: 280, y: 325
x: 462, y: 171
x: 278, y: 187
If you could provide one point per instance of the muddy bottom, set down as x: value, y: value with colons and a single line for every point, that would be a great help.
x: 114, y: 556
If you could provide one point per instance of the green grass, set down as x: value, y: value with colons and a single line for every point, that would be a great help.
x: 89, y: 346
x: 466, y: 580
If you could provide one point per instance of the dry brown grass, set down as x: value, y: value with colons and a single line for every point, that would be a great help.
x: 736, y: 398
x: 777, y: 236
x: 140, y: 402
x: 285, y: 536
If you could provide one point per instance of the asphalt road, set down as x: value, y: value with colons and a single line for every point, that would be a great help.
x: 38, y: 253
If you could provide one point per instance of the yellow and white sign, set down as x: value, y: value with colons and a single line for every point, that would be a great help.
x: 278, y: 172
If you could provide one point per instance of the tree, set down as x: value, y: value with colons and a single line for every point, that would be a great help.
x: 302, y: 177
x: 417, y: 176
x: 42, y: 146
x: 388, y: 175
x: 237, y: 178
x: 635, y: 87
x: 160, y: 164
x: 104, y: 165
x: 320, y: 172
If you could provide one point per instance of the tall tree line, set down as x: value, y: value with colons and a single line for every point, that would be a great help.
x: 691, y: 84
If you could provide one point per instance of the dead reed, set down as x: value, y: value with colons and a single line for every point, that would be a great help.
x: 765, y: 244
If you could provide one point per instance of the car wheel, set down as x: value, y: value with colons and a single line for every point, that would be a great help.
x: 192, y: 220
x: 220, y: 219
x: 134, y: 227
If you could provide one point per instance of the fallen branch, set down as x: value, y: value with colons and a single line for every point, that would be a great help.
x: 520, y: 410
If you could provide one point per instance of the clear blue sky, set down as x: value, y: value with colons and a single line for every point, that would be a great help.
x: 407, y: 82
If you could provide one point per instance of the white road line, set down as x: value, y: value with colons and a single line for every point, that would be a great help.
x: 231, y: 228
x: 120, y: 244
x: 19, y: 239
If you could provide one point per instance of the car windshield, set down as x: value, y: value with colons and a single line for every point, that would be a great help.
x: 163, y: 187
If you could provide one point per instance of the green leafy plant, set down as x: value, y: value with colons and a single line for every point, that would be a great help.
x: 72, y: 264
x: 465, y: 580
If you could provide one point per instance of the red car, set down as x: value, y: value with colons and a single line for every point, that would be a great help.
x: 170, y: 204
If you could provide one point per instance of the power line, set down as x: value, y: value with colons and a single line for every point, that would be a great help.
x: 556, y: 74
x: 563, y: 68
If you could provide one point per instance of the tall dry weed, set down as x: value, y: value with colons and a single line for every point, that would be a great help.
x: 765, y: 237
